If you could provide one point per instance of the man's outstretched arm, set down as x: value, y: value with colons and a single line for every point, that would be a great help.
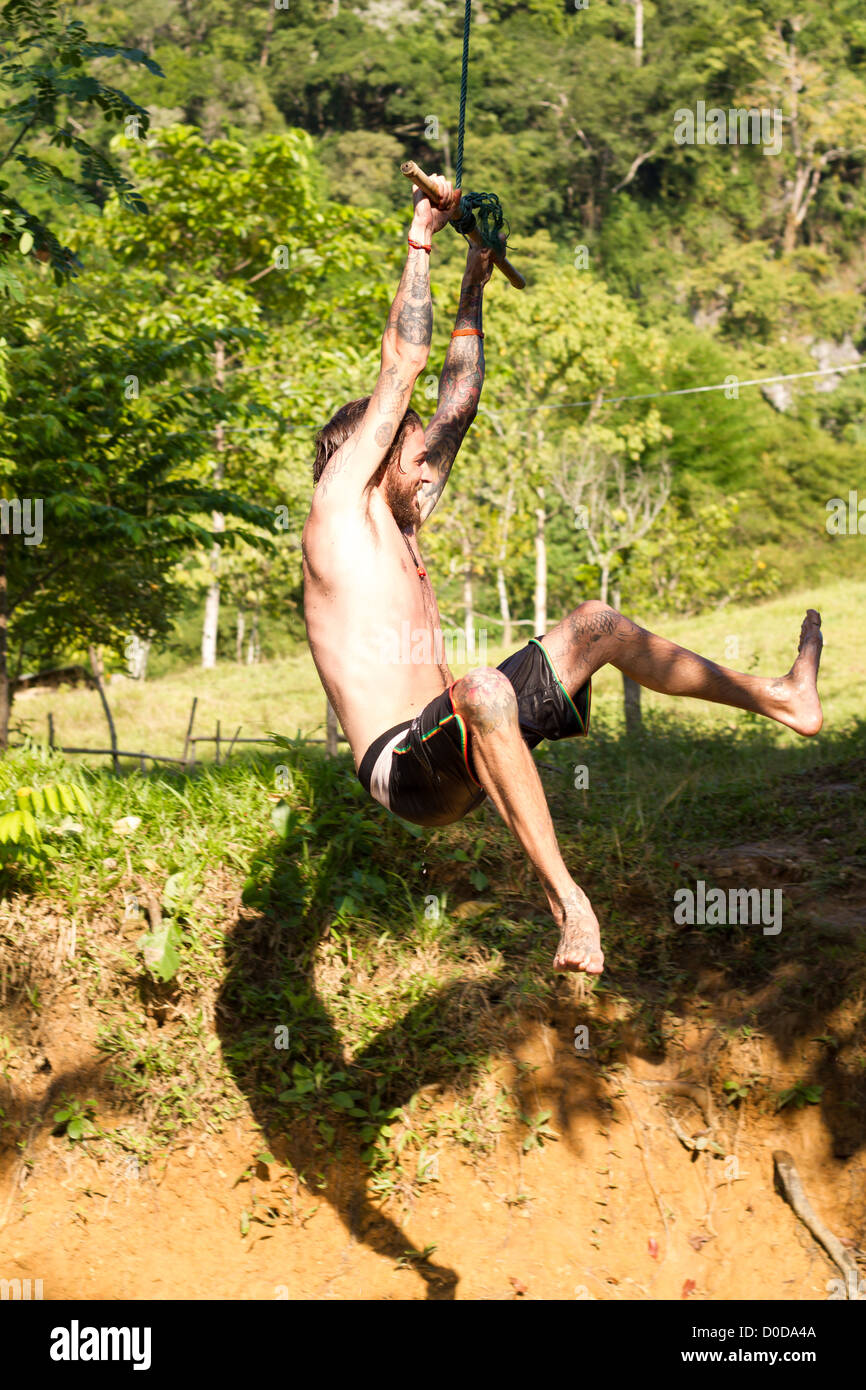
x: 460, y: 382
x: 405, y: 346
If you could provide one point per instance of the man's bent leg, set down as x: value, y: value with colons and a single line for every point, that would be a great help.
x: 595, y: 634
x: 485, y: 700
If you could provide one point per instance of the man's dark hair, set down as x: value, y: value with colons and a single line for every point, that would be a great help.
x: 345, y: 422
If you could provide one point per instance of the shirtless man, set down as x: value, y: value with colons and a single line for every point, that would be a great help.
x: 427, y: 747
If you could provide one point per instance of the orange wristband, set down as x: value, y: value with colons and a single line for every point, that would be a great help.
x: 467, y: 332
x: 418, y: 245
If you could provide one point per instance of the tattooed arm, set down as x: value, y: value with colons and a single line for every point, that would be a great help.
x: 405, y: 348
x: 460, y: 382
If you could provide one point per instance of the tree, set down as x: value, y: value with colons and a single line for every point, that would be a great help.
x: 571, y: 340
x: 46, y: 67
x: 695, y: 560
x: 101, y: 471
x: 824, y: 107
x: 614, y: 510
x: 241, y: 234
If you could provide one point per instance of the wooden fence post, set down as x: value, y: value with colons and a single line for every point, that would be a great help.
x: 189, y: 730
x: 99, y: 682
x: 630, y: 693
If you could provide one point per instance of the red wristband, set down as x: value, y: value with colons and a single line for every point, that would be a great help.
x: 466, y: 332
x: 418, y: 245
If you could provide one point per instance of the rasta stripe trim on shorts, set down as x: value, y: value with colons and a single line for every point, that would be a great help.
x: 584, y: 723
x: 461, y: 726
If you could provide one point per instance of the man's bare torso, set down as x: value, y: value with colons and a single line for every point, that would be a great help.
x: 372, y: 622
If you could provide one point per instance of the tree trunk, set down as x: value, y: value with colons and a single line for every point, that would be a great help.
x: 540, y: 572
x: 98, y: 680
x: 805, y: 186
x: 630, y: 693
x: 792, y: 216
x: 504, y: 608
x: 269, y: 30
x: 446, y: 156
x: 253, y: 648
x: 210, y: 629
x: 331, y: 731
x: 631, y: 700
x: 638, y: 32
x: 604, y: 582
x: 137, y: 652
x: 5, y: 687
x: 239, y: 641
x: 468, y: 601
x: 801, y: 171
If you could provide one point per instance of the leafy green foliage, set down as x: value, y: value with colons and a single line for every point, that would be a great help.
x: 160, y: 946
x: 799, y: 1096
x: 736, y: 1091
x: 691, y: 561
x: 97, y: 426
x: 45, y: 62
x: 21, y: 829
x: 269, y: 172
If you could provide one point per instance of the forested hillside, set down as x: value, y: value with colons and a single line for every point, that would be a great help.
x: 207, y: 338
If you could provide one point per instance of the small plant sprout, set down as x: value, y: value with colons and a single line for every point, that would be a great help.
x: 74, y: 1118
x: 539, y: 1131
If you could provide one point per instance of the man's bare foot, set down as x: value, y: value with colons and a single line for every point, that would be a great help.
x: 580, y: 936
x: 798, y: 691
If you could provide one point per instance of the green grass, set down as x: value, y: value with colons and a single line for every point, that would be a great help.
x: 285, y: 695
x: 399, y: 963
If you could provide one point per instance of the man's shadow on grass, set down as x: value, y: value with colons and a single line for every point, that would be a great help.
x: 292, y: 901
x: 269, y: 983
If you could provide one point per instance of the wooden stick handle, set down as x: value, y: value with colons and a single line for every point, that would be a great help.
x: 410, y: 170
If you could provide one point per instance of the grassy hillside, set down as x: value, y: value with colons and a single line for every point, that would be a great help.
x: 351, y: 985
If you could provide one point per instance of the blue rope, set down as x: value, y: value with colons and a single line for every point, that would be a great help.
x: 464, y: 79
x: 477, y: 210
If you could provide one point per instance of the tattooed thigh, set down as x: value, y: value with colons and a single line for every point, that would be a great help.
x: 591, y: 622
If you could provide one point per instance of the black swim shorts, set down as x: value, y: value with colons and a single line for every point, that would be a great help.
x: 423, y: 771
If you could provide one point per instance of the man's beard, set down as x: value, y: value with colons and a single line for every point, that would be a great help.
x: 401, y: 500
